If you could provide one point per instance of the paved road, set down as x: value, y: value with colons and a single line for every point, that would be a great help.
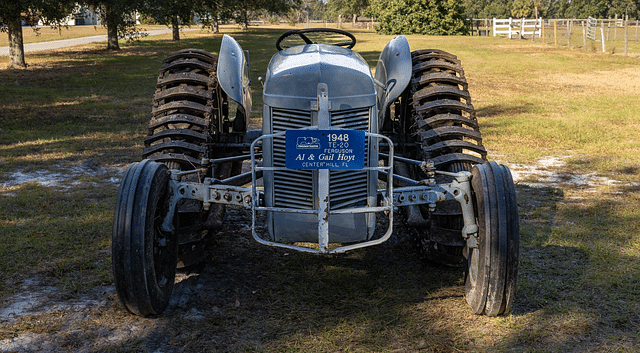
x: 56, y: 44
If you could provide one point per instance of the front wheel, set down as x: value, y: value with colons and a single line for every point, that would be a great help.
x: 492, y: 263
x: 144, y: 257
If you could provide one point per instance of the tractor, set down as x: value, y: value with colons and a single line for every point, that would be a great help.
x: 340, y: 151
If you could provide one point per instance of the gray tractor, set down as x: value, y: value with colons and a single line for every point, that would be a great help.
x: 340, y: 151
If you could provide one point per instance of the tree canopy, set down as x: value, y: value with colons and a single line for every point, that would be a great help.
x: 433, y: 17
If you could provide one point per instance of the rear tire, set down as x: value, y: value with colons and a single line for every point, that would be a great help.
x: 492, y: 266
x: 187, y: 117
x: 442, y: 122
x: 144, y: 257
x: 187, y: 108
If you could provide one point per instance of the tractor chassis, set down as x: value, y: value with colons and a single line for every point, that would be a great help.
x: 409, y: 192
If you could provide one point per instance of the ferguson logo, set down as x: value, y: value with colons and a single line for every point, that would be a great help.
x: 308, y: 142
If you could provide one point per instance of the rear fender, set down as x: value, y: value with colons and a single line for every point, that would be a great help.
x: 233, y: 73
x: 393, y: 73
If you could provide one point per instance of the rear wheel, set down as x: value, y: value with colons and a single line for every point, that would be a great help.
x: 492, y: 265
x: 189, y: 113
x: 144, y: 257
x: 439, y: 116
x: 187, y: 107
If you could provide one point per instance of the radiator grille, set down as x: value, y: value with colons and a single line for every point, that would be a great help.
x: 348, y: 188
x: 294, y: 188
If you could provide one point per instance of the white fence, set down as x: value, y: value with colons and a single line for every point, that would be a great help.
x: 517, y: 28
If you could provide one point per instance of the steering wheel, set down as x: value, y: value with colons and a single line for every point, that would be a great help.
x: 301, y: 33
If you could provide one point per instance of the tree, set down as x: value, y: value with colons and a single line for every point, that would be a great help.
x: 529, y: 8
x: 310, y: 10
x: 347, y: 8
x: 118, y: 16
x: 173, y: 13
x: 242, y: 8
x: 432, y: 17
x: 487, y: 8
x: 14, y: 12
x: 209, y: 11
x: 622, y: 8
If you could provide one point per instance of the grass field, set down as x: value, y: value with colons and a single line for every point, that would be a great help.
x: 81, y: 114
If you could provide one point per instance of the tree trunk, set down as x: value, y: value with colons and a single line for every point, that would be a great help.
x: 175, y: 25
x: 245, y: 20
x: 215, y: 26
x: 112, y: 28
x: 353, y: 25
x: 16, y: 44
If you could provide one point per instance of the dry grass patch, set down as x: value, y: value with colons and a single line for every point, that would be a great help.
x: 625, y: 81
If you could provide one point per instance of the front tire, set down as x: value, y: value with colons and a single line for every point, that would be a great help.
x: 144, y: 257
x: 492, y: 266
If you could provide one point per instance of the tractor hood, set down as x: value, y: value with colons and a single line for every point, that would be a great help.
x: 294, y: 73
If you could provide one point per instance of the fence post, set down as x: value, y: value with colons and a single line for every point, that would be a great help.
x: 584, y: 37
x: 555, y: 32
x: 494, y: 26
x: 569, y: 23
x: 510, y: 24
x: 604, y: 48
x: 626, y: 48
x: 542, y: 30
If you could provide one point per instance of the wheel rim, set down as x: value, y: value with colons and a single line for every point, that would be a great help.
x: 163, y: 248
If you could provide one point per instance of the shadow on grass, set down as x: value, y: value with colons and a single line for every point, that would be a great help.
x: 500, y: 110
x: 249, y: 297
x: 578, y: 273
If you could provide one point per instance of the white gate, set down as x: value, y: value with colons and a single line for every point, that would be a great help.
x: 517, y: 28
x: 592, y: 24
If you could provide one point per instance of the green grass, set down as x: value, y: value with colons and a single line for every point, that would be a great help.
x: 580, y: 250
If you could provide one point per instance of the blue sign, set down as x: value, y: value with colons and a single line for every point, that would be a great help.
x: 324, y: 149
